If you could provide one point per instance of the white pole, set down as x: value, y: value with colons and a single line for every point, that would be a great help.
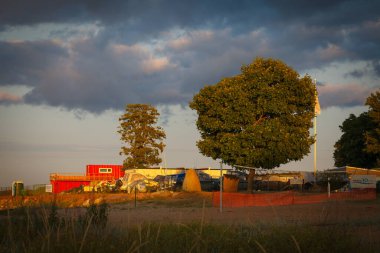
x: 315, y: 148
x: 315, y: 133
x: 221, y: 188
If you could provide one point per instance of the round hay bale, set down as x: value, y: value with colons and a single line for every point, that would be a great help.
x: 230, y: 183
x: 191, y: 182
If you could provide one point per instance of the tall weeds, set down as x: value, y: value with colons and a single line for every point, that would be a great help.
x: 44, y: 230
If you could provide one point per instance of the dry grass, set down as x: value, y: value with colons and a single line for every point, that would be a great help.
x: 184, y: 222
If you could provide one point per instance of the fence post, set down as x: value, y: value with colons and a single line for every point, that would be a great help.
x: 135, y: 196
x: 221, y: 187
x: 328, y: 187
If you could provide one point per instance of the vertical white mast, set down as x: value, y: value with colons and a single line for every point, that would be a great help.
x: 317, y: 111
x: 315, y: 146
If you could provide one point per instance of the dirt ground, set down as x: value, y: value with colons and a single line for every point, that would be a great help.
x: 182, y: 207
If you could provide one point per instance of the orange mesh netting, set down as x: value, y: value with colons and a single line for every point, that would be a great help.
x: 287, y: 198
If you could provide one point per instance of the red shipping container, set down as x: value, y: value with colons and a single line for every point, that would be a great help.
x: 105, y: 171
x: 94, y: 173
x: 60, y: 186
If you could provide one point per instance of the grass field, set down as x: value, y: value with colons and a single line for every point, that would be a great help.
x: 184, y: 222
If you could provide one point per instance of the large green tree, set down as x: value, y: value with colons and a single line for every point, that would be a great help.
x: 373, y: 135
x: 143, y: 138
x: 350, y: 149
x: 259, y: 118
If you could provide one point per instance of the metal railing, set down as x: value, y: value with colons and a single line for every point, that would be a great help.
x: 3, y: 189
x: 34, y: 187
x: 77, y: 177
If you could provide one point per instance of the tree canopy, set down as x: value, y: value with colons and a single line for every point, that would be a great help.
x: 258, y: 118
x: 373, y: 135
x: 350, y: 148
x: 143, y: 138
x: 359, y: 144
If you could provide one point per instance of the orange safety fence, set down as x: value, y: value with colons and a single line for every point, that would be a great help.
x: 287, y: 198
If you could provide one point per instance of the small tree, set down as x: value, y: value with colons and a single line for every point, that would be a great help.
x: 143, y: 138
x: 259, y: 118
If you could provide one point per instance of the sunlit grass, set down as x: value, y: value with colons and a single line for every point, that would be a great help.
x: 42, y: 230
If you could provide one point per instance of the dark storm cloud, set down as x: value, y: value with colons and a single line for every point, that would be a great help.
x: 372, y: 69
x: 162, y: 52
x: 356, y: 74
x: 165, y: 13
x: 24, y: 62
x: 376, y: 66
x: 97, y: 78
x: 344, y: 95
x: 20, y: 12
x: 147, y: 15
x: 324, y: 12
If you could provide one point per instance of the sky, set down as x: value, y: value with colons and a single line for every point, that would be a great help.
x: 68, y: 68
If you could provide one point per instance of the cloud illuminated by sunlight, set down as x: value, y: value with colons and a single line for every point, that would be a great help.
x: 9, y: 98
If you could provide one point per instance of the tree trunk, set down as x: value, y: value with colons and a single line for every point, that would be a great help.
x: 251, y: 176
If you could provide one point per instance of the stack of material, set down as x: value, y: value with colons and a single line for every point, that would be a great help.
x: 191, y: 182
